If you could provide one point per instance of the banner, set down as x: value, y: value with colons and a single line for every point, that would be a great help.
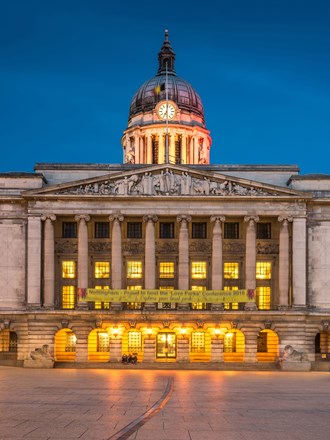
x: 169, y: 296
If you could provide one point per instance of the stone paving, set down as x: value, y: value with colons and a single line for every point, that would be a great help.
x: 61, y: 404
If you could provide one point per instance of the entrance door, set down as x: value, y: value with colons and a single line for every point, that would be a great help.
x: 166, y: 345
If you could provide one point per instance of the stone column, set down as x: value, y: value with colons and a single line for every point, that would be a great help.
x: 116, y: 255
x: 184, y: 149
x: 82, y: 250
x: 284, y: 262
x: 149, y: 149
x: 137, y: 149
x: 161, y: 148
x: 217, y: 263
x: 183, y: 350
x: 150, y: 257
x: 251, y: 335
x: 299, y: 262
x: 33, y: 261
x: 217, y: 349
x: 183, y: 256
x: 49, y: 260
x: 172, y: 148
x: 250, y: 257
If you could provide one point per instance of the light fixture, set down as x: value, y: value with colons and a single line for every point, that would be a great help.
x: 217, y: 332
x: 183, y: 331
x: 115, y: 331
x: 149, y: 331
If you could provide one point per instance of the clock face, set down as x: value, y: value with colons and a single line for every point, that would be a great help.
x: 166, y: 111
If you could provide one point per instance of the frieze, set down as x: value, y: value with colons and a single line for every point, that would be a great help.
x: 166, y: 183
x: 167, y: 247
x: 99, y: 246
x: 200, y: 246
x: 267, y: 248
x: 69, y: 246
x: 133, y: 247
x: 234, y: 247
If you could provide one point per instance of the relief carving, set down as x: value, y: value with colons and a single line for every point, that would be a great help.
x: 99, y: 246
x: 267, y: 248
x: 167, y: 247
x: 69, y: 246
x: 200, y: 246
x: 166, y: 182
x: 234, y: 247
x: 133, y: 247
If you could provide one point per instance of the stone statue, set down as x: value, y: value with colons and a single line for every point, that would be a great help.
x: 293, y: 360
x: 39, y: 358
x: 130, y: 155
x: 40, y: 353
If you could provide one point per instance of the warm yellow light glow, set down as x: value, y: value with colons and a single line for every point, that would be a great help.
x: 198, y: 270
x: 68, y: 269
x: 263, y: 270
x: 166, y: 269
x: 115, y: 331
x: 149, y: 331
x: 102, y: 269
x: 68, y: 297
x: 217, y: 332
x: 134, y: 269
x: 183, y: 331
x: 231, y: 270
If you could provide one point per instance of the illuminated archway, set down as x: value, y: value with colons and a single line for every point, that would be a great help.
x: 166, y: 345
x: 65, y: 346
x: 8, y: 344
x: 132, y: 343
x: 233, y: 346
x: 98, y: 346
x: 200, y: 346
x: 267, y: 346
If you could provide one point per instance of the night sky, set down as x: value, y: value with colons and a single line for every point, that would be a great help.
x: 68, y: 71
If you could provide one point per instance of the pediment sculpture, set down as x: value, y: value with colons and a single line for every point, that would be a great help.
x: 166, y: 183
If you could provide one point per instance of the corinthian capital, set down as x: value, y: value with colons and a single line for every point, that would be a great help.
x: 217, y: 218
x: 51, y: 217
x: 183, y: 218
x: 84, y: 217
x: 150, y: 218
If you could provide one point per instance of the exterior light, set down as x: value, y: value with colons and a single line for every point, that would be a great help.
x: 115, y: 331
x: 149, y: 331
x: 183, y: 331
x: 217, y: 332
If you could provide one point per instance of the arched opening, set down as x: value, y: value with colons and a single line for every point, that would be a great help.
x: 200, y: 346
x: 8, y: 345
x: 233, y: 346
x: 65, y: 346
x: 98, y: 346
x: 166, y: 346
x: 267, y: 346
x: 132, y: 343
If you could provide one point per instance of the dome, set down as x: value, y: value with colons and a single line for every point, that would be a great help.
x: 178, y: 89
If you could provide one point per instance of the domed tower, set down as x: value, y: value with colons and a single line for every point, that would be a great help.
x: 166, y: 119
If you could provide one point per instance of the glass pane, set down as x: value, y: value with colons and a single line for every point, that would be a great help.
x: 68, y: 269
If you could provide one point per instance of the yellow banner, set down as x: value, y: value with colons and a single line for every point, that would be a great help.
x: 171, y: 296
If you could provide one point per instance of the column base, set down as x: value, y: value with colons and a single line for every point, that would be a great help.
x: 299, y: 306
x: 149, y: 306
x: 217, y: 307
x: 250, y: 306
x: 116, y: 306
x: 184, y: 306
x: 283, y: 307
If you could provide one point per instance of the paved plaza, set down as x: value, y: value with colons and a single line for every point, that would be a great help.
x: 63, y: 404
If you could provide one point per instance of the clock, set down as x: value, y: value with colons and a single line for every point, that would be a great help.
x: 166, y: 111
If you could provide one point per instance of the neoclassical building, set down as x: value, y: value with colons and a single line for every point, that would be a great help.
x: 165, y: 255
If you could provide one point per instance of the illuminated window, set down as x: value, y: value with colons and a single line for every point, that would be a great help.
x: 134, y: 269
x: 99, y: 304
x: 264, y: 231
x: 8, y: 341
x: 166, y: 230
x: 68, y: 269
x: 198, y: 305
x: 68, y: 297
x: 70, y: 343
x: 233, y: 305
x: 263, y: 270
x: 134, y: 341
x: 134, y: 230
x: 198, y: 230
x: 102, y: 269
x: 166, y: 269
x: 231, y: 230
x: 263, y: 298
x: 229, y: 343
x: 197, y: 342
x: 198, y: 270
x: 134, y: 305
x: 102, y: 230
x: 69, y: 230
x: 102, y: 342
x: 231, y: 271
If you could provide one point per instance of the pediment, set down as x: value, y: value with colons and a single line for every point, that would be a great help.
x: 164, y: 180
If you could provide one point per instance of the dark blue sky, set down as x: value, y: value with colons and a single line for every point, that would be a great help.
x: 68, y: 71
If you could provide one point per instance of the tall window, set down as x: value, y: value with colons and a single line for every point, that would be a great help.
x: 231, y: 230
x: 102, y: 342
x: 134, y: 305
x: 102, y: 230
x: 264, y: 231
x: 166, y: 269
x: 263, y: 298
x: 68, y: 297
x: 229, y: 343
x: 68, y: 269
x: 70, y: 343
x: 197, y: 342
x: 166, y: 230
x: 198, y: 230
x: 102, y: 269
x: 99, y: 304
x: 69, y: 230
x: 134, y: 269
x: 263, y: 270
x: 231, y: 271
x: 198, y: 270
x: 230, y: 305
x: 134, y: 230
x: 134, y: 341
x: 262, y: 342
x: 198, y: 305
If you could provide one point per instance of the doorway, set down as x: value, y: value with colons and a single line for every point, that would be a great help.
x: 166, y: 345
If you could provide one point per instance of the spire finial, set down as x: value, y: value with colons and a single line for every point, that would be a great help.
x: 166, y: 57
